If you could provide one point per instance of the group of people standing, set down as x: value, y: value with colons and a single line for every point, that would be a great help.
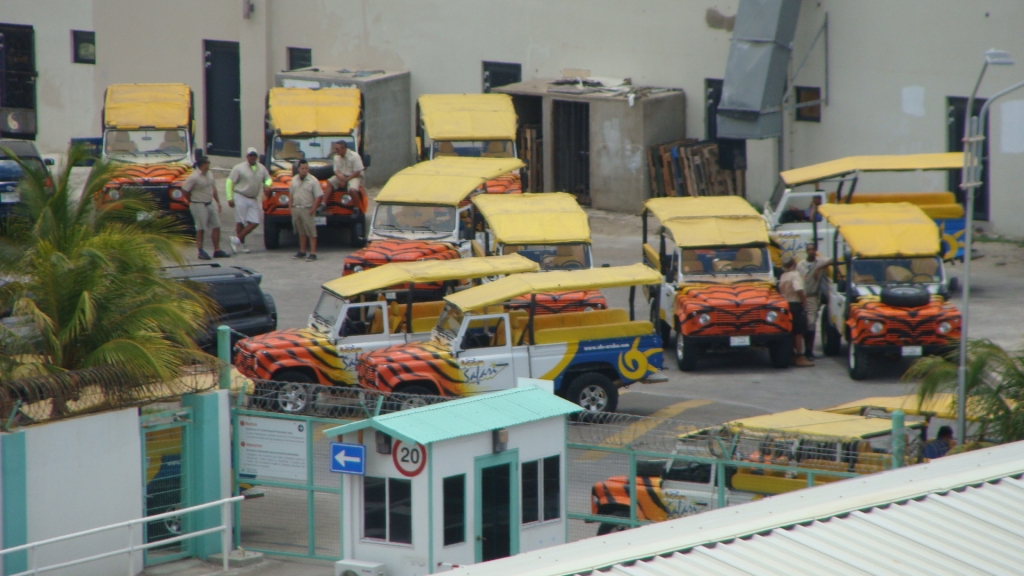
x: 242, y: 191
x: 800, y: 285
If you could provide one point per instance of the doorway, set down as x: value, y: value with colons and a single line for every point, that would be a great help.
x: 501, y: 74
x: 17, y: 81
x: 956, y: 108
x: 223, y: 98
x: 497, y: 506
x: 571, y: 153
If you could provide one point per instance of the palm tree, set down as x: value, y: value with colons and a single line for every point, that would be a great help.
x: 994, y: 386
x: 85, y: 275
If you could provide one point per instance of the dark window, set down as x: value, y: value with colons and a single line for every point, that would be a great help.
x: 531, y: 491
x: 454, y: 509
x: 541, y: 490
x: 387, y: 509
x: 552, y: 488
x: 232, y: 298
x: 812, y: 112
x: 83, y: 47
x: 300, y: 58
x: 501, y: 74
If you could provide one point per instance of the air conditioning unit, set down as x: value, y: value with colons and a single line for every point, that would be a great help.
x: 358, y: 568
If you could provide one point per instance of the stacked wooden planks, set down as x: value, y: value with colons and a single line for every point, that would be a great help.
x: 690, y: 168
x: 531, y: 152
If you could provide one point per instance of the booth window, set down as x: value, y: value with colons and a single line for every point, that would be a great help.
x: 387, y: 509
x: 541, y: 490
x: 454, y: 509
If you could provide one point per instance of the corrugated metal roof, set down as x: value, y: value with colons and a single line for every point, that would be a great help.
x: 464, y: 417
x: 955, y: 515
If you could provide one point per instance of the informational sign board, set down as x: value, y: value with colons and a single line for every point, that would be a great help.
x: 272, y: 448
x: 348, y: 458
x: 409, y: 459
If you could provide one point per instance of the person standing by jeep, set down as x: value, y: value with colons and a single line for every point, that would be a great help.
x: 242, y: 189
x: 348, y: 168
x: 791, y: 286
x: 306, y: 197
x: 811, y: 269
x: 202, y: 192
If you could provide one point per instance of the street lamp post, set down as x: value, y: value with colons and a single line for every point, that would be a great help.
x: 974, y: 137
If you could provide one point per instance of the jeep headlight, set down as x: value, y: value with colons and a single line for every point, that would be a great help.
x: 176, y: 194
x: 357, y: 268
x: 346, y: 199
x: 876, y: 327
x: 114, y: 194
x: 588, y: 309
x: 704, y: 318
x: 282, y: 199
x: 945, y: 327
x: 771, y: 316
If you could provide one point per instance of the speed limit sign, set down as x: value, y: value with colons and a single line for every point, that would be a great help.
x: 409, y: 459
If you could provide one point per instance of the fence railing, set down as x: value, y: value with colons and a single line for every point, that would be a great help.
x: 225, y: 529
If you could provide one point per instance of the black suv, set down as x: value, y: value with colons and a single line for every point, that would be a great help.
x: 245, y: 308
x: 11, y: 173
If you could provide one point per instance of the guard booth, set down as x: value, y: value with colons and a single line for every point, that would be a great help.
x: 454, y: 483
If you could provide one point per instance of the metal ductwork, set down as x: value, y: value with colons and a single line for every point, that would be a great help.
x: 756, y: 73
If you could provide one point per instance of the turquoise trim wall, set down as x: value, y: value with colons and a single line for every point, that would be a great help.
x: 205, y: 481
x: 15, y: 499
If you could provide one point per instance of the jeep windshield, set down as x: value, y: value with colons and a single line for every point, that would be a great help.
x: 449, y: 323
x: 553, y: 256
x: 746, y: 261
x: 888, y: 271
x: 288, y: 149
x: 414, y: 218
x: 327, y: 310
x: 473, y: 148
x: 146, y: 145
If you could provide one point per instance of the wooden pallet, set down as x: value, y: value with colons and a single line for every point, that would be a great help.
x: 691, y: 168
x: 531, y: 152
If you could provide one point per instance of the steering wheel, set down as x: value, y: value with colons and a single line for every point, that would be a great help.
x: 572, y: 265
x: 749, y: 267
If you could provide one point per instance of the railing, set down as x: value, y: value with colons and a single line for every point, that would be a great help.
x: 224, y: 528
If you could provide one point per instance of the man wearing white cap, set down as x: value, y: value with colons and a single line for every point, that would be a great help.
x: 246, y: 179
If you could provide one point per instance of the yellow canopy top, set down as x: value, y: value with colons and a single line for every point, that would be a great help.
x: 670, y: 208
x: 708, y: 232
x: 398, y: 273
x: 806, y: 422
x: 510, y: 287
x: 940, y: 405
x: 548, y: 218
x: 884, y: 229
x: 444, y: 181
x: 468, y: 116
x: 894, y: 163
x: 328, y: 111
x: 162, y: 106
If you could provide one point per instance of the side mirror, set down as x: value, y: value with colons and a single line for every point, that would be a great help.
x: 366, y: 160
x: 48, y: 161
x: 269, y: 132
x: 606, y: 265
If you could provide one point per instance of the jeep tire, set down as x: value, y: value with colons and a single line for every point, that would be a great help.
x: 857, y: 363
x: 685, y: 353
x: 831, y: 339
x: 781, y: 353
x: 905, y: 296
x: 271, y: 236
x: 594, y: 392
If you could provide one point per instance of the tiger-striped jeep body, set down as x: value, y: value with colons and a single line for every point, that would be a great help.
x: 477, y: 346
x: 718, y: 290
x: 350, y: 320
x: 887, y: 296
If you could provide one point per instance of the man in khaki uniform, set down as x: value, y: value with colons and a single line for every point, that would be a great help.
x: 306, y: 197
x: 202, y: 192
x: 243, y: 192
x: 348, y: 168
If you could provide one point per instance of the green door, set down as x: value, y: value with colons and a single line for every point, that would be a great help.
x: 165, y: 438
x: 497, y: 506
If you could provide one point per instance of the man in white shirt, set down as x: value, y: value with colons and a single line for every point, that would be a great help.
x: 811, y: 269
x: 348, y: 168
x: 243, y: 192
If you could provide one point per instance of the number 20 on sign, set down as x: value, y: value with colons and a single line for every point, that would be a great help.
x: 409, y: 459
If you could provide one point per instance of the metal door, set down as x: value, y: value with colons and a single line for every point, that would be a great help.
x: 497, y: 506
x: 223, y: 98
x: 165, y: 457
x: 501, y: 74
x: 571, y: 122
x: 956, y: 108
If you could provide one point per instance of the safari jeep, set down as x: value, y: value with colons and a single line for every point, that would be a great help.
x: 718, y: 290
x: 356, y: 314
x: 147, y: 135
x: 787, y: 211
x: 828, y: 446
x: 425, y: 212
x: 885, y: 295
x: 303, y: 123
x: 550, y: 229
x: 478, y: 347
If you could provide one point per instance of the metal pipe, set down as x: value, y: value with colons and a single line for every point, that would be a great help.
x: 224, y: 354
x: 408, y: 309
x: 898, y: 439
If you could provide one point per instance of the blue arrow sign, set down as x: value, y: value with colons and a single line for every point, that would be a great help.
x: 348, y: 458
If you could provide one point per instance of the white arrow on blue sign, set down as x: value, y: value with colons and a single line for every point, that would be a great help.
x: 348, y: 458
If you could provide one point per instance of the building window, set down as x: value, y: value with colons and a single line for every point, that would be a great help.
x: 300, y: 58
x: 387, y: 509
x: 454, y: 509
x: 541, y: 490
x: 811, y: 112
x: 83, y: 47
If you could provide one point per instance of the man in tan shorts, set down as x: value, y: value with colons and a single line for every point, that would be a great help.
x: 348, y: 168
x: 306, y: 197
x: 202, y: 193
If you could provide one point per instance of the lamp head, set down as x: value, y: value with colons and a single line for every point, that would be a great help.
x: 995, y: 57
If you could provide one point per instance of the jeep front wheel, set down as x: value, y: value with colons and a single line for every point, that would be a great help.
x: 271, y: 236
x: 293, y: 392
x: 686, y: 353
x: 594, y: 392
x: 858, y: 362
x: 831, y: 339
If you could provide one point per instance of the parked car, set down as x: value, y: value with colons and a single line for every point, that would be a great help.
x: 244, y: 306
x: 11, y: 173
